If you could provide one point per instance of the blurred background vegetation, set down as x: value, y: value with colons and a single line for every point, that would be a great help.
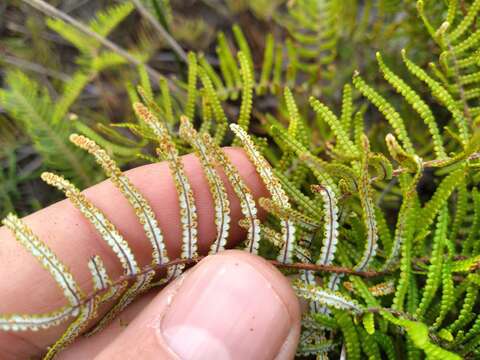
x: 56, y: 79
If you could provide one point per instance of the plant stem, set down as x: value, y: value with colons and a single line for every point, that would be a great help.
x: 50, y: 10
x: 164, y: 33
x: 193, y: 261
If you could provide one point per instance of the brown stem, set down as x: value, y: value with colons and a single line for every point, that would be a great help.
x: 193, y: 261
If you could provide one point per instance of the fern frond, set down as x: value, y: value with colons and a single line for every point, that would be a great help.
x: 469, y: 244
x: 49, y: 261
x: 294, y: 116
x: 103, y: 23
x: 220, y: 117
x: 386, y: 109
x: 101, y: 280
x: 327, y: 297
x: 417, y: 104
x: 314, y: 348
x: 382, y: 289
x: 466, y: 314
x: 87, y: 313
x: 228, y: 65
x: 140, y: 205
x: 350, y: 335
x: 313, y: 162
x: 439, y: 198
x: 107, y: 230
x: 141, y: 284
x: 419, y: 334
x: 247, y: 202
x: 368, y: 212
x: 267, y: 65
x: 24, y: 322
x: 386, y: 344
x: 303, y: 201
x: 191, y: 86
x: 166, y: 101
x: 330, y: 207
x: 441, y: 94
x: 368, y: 321
x: 107, y: 20
x: 465, y: 23
x: 470, y: 42
x: 347, y: 108
x: 220, y: 197
x: 32, y: 107
x: 448, y: 296
x: 273, y: 186
x: 436, y: 259
x: 70, y: 93
x: 327, y: 115
x: 247, y: 91
x: 404, y: 242
x: 244, y: 48
x: 71, y: 34
x: 71, y: 290
x: 188, y: 211
x: 460, y: 210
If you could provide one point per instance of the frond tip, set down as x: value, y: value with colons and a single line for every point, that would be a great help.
x: 220, y: 197
x: 327, y: 297
x: 273, y: 186
x: 96, y: 217
x: 247, y: 202
x: 142, y: 208
x: 331, y: 224
x: 47, y: 258
x: 188, y: 211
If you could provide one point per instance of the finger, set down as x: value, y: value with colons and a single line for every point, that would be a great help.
x: 230, y: 306
x: 26, y: 288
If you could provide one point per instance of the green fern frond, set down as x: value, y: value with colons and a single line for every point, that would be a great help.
x: 436, y: 259
x: 192, y: 86
x: 219, y: 113
x: 417, y: 103
x: 441, y: 94
x: 386, y: 109
x: 33, y: 108
x: 343, y: 139
x: 419, y: 334
x: 350, y: 335
x: 247, y: 91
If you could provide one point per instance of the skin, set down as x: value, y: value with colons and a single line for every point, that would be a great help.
x: 26, y: 288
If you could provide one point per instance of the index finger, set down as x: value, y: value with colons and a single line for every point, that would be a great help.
x: 26, y: 288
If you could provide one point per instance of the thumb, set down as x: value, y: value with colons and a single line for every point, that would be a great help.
x: 230, y: 306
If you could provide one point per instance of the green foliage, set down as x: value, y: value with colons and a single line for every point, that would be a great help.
x: 436, y: 259
x: 34, y: 110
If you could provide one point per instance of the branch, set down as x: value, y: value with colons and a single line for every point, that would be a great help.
x: 193, y: 261
x: 30, y: 66
x: 432, y: 164
x: 164, y: 33
x: 327, y: 268
x: 54, y: 12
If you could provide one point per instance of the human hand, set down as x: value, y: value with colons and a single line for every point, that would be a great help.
x: 230, y: 306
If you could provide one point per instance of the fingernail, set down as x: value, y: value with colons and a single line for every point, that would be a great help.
x: 226, y: 309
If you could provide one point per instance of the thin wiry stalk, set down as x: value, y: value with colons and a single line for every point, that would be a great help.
x: 164, y: 33
x: 50, y: 10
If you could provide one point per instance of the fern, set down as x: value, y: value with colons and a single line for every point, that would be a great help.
x: 434, y: 270
x: 360, y: 217
x: 387, y: 110
x: 33, y: 108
